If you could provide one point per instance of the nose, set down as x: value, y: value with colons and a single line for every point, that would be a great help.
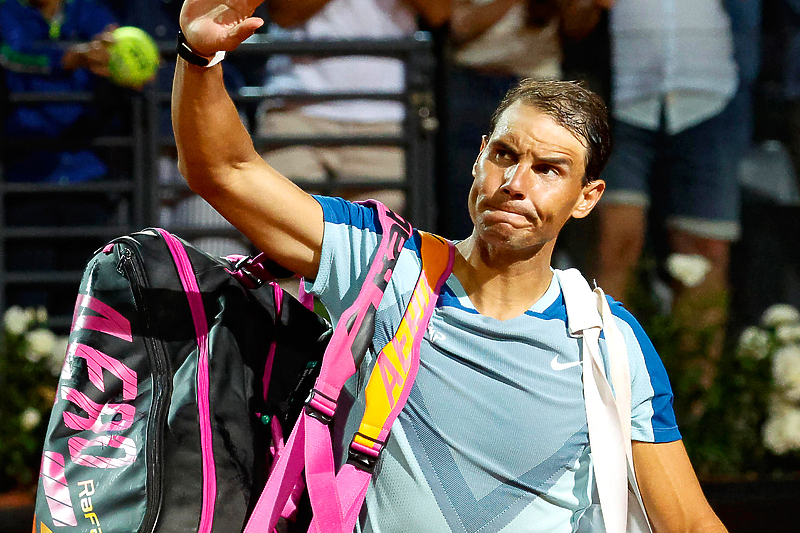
x: 515, y: 184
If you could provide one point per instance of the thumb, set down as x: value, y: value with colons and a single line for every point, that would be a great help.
x: 242, y: 31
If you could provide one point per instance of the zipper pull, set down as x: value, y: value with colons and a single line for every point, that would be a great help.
x: 125, y: 256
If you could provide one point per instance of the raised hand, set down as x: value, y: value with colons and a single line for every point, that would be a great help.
x: 213, y: 25
x: 93, y: 54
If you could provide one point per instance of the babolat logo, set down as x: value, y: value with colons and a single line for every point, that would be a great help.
x: 87, y: 490
x: 399, y: 232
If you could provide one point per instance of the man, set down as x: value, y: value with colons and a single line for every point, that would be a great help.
x: 496, y: 44
x: 51, y: 46
x: 342, y: 166
x: 35, y: 58
x: 678, y: 127
x: 493, y: 437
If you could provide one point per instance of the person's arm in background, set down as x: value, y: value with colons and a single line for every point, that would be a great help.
x: 433, y: 12
x: 580, y: 17
x: 672, y: 496
x: 470, y: 19
x: 96, y: 23
x: 21, y: 52
x: 92, y: 55
x: 288, y: 13
x: 216, y: 154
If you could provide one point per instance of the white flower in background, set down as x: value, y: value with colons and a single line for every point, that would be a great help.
x: 58, y: 354
x: 782, y: 431
x: 689, y: 269
x: 41, y: 314
x: 786, y: 370
x: 779, y: 314
x: 29, y: 419
x: 777, y: 404
x: 40, y: 343
x: 17, y: 320
x: 788, y: 333
x: 754, y: 342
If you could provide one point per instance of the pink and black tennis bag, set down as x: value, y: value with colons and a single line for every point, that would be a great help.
x: 183, y: 374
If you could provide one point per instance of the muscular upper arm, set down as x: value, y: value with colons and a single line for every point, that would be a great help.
x: 281, y: 219
x: 217, y: 158
x: 672, y: 495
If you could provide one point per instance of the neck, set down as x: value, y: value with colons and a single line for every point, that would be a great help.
x: 502, y: 285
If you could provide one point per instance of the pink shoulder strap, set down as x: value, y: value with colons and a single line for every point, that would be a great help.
x: 350, y: 339
x: 387, y: 391
x: 336, y: 499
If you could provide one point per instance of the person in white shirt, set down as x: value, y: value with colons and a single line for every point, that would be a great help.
x: 342, y: 19
x: 496, y: 43
x: 674, y: 76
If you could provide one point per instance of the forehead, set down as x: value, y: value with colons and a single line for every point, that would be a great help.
x: 527, y: 125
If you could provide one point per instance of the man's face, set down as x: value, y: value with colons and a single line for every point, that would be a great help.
x: 529, y: 181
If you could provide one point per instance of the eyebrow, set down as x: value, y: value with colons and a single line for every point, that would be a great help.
x: 505, y: 145
x: 555, y: 161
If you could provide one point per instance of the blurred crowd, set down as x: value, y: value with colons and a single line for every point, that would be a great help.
x: 704, y: 98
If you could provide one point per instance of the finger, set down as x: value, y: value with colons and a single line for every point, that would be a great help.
x: 98, y: 54
x: 100, y: 70
x: 106, y: 36
x: 106, y: 39
x: 242, y: 31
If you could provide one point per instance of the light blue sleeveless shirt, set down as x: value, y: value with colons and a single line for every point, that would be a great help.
x: 493, y: 437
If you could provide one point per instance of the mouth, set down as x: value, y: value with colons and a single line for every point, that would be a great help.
x: 507, y: 215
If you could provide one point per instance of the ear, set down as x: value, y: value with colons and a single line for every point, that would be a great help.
x: 590, y: 195
x: 484, y: 142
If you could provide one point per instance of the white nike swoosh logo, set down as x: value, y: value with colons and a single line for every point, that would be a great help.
x: 555, y: 365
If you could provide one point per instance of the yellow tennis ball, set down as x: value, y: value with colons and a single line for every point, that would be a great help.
x: 134, y: 57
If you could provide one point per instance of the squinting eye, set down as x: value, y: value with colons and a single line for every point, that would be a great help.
x: 549, y: 171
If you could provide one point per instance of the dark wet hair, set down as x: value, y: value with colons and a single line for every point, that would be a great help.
x: 572, y: 106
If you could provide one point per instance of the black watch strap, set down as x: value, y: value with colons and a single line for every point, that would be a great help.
x: 186, y: 52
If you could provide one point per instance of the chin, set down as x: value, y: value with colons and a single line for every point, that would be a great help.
x: 503, y: 237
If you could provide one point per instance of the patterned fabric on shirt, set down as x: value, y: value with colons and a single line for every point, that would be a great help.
x: 493, y: 436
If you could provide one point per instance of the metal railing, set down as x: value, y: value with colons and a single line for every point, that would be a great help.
x: 142, y: 194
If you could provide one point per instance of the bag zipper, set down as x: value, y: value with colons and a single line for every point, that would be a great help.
x: 191, y: 288
x: 130, y: 265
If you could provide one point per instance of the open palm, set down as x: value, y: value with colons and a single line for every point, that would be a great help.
x: 213, y: 25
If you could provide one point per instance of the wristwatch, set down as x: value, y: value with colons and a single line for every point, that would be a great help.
x: 186, y: 52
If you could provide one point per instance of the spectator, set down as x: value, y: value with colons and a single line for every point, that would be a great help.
x: 34, y: 58
x: 342, y: 19
x: 180, y: 209
x: 34, y: 61
x: 791, y: 28
x: 745, y: 17
x: 496, y: 44
x: 674, y: 77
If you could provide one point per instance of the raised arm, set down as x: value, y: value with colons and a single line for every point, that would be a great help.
x: 470, y: 20
x: 216, y: 154
x: 672, y: 495
x: 580, y: 17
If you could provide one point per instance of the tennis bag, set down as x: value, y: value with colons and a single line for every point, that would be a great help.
x: 182, y: 375
x: 157, y: 424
